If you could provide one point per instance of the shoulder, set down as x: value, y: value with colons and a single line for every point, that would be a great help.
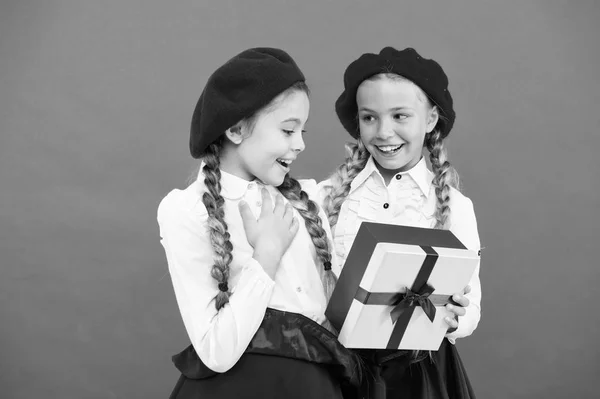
x: 316, y: 191
x: 310, y: 187
x: 325, y: 185
x: 182, y: 206
x: 313, y: 190
x: 460, y: 204
x: 324, y: 189
x: 463, y: 222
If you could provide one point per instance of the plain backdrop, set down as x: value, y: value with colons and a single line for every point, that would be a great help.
x: 96, y: 99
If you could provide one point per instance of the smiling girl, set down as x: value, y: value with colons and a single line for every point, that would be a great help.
x: 396, y: 104
x: 251, y: 281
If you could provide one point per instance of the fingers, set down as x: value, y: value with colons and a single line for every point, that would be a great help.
x: 288, y: 214
x: 457, y: 310
x: 279, y: 206
x: 283, y: 213
x: 452, y: 322
x: 461, y: 300
x: 246, y: 212
x: 267, y: 202
x: 294, y: 226
x: 248, y: 218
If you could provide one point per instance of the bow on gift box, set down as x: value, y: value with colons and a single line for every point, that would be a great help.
x: 412, y: 299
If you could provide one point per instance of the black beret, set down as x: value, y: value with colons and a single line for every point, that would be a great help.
x: 239, y: 88
x: 427, y: 74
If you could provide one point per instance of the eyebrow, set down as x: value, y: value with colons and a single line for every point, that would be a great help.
x: 295, y: 120
x: 391, y: 109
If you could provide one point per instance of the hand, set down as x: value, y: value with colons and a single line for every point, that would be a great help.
x: 273, y: 232
x: 458, y: 309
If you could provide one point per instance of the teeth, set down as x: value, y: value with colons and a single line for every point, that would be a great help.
x: 389, y: 148
x: 284, y: 161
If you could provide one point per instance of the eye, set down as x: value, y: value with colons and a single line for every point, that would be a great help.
x: 303, y: 132
x: 400, y: 117
x: 288, y: 132
x: 367, y: 118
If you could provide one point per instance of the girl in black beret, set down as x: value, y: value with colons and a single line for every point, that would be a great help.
x: 251, y: 281
x: 395, y: 105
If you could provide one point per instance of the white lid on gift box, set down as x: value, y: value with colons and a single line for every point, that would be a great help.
x: 383, y: 262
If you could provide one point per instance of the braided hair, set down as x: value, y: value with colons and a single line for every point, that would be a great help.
x: 290, y: 189
x: 217, y: 227
x: 308, y: 209
x: 445, y: 176
x: 342, y: 177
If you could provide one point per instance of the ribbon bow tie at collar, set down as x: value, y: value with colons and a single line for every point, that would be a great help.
x: 412, y: 299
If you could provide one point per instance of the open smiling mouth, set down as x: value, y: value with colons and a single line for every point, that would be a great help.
x: 389, y: 149
x: 284, y: 162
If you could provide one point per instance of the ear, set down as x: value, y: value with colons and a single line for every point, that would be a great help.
x: 234, y: 134
x: 432, y: 119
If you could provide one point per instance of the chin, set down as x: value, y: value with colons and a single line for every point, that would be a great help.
x: 391, y: 164
x: 274, y: 181
x: 278, y: 182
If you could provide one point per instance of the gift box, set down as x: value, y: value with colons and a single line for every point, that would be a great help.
x: 395, y: 284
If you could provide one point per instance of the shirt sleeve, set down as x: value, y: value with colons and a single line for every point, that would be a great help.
x: 464, y: 226
x: 219, y: 337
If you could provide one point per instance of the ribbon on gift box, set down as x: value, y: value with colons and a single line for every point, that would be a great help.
x: 420, y: 294
x: 412, y: 299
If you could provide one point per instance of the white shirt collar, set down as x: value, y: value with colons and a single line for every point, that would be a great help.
x: 232, y: 187
x: 422, y: 176
x: 364, y: 174
x: 419, y: 173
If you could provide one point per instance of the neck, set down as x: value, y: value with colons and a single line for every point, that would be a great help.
x: 388, y: 174
x: 230, y: 163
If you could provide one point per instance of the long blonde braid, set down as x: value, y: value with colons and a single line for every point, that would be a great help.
x: 445, y: 177
x: 340, y: 188
x: 308, y: 209
x: 219, y: 236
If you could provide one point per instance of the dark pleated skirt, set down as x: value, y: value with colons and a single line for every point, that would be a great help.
x: 439, y: 376
x: 290, y: 356
x: 264, y: 377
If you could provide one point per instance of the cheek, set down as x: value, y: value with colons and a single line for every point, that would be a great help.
x: 366, y: 132
x: 255, y: 154
x: 415, y: 133
x: 261, y: 147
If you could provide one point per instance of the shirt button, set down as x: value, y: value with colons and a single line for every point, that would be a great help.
x: 299, y: 289
x: 386, y: 205
x: 258, y: 203
x: 250, y: 185
x: 398, y: 176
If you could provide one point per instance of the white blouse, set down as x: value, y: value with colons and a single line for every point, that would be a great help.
x: 408, y: 200
x: 221, y: 337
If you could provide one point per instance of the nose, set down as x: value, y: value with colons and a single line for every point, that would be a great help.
x: 298, y: 143
x: 385, y: 129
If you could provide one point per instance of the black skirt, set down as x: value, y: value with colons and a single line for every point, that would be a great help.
x: 398, y: 375
x: 263, y: 376
x: 290, y: 356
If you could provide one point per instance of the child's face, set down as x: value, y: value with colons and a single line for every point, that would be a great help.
x: 394, y: 117
x: 275, y: 139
